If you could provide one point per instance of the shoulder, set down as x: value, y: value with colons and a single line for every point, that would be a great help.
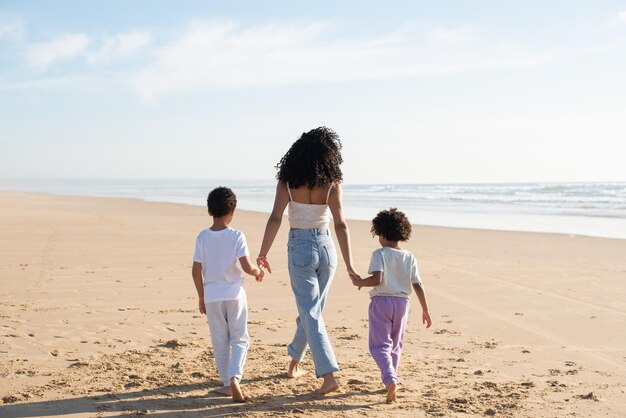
x: 410, y: 257
x: 235, y: 233
x: 204, y: 233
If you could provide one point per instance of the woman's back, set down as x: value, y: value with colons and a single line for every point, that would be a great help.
x: 315, y: 196
x: 308, y: 208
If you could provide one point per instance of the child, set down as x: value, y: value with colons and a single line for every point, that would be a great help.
x: 393, y: 271
x: 220, y: 252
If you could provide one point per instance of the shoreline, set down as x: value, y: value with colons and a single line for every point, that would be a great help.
x: 99, y: 316
x: 147, y: 200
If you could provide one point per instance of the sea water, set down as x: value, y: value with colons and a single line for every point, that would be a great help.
x: 594, y: 209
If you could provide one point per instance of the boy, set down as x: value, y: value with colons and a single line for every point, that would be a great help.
x: 220, y: 252
x: 393, y: 272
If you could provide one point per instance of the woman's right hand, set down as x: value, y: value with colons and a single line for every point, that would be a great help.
x: 353, y: 274
x: 262, y: 262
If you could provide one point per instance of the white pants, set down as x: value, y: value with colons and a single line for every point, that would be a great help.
x: 228, y: 324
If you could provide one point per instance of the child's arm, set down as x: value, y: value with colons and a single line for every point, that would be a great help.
x: 421, y: 296
x: 247, y: 266
x: 196, y: 273
x: 372, y: 281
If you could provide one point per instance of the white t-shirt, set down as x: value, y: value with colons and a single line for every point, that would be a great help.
x: 219, y: 253
x: 399, y: 269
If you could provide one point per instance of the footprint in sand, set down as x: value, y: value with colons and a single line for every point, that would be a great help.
x: 590, y: 396
x: 556, y: 384
x: 356, y: 382
x: 491, y: 345
x: 350, y: 337
x: 446, y: 332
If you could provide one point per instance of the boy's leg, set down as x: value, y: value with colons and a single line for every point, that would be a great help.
x: 380, y: 342
x: 237, y: 317
x: 216, y: 317
x: 400, y: 317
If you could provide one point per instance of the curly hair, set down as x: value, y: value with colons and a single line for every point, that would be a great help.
x: 392, y: 225
x: 313, y: 160
x: 221, y: 201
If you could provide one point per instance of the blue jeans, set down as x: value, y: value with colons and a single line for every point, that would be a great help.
x: 312, y: 263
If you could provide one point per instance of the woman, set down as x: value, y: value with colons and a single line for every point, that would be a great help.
x: 309, y: 183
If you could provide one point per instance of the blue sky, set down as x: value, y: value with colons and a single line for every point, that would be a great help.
x: 419, y: 91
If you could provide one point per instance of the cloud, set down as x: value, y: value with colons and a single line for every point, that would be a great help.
x: 63, y: 48
x: 122, y: 45
x: 618, y: 18
x: 11, y: 29
x: 456, y: 36
x: 211, y: 55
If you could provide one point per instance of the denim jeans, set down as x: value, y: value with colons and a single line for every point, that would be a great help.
x: 312, y: 263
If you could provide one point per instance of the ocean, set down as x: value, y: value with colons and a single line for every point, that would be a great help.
x: 593, y: 209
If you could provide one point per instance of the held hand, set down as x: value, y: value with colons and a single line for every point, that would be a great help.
x: 259, y: 278
x: 426, y: 319
x: 353, y: 274
x: 201, y: 306
x: 263, y: 264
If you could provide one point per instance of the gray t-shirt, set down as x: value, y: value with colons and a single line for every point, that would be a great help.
x: 399, y: 269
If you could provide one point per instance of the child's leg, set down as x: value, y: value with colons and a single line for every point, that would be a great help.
x: 237, y: 317
x: 400, y: 316
x: 216, y: 317
x: 380, y: 342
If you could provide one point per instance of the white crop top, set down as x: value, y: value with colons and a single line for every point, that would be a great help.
x: 308, y: 215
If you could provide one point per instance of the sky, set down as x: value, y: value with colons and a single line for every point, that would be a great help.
x: 418, y: 91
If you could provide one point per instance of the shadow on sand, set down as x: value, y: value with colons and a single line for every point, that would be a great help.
x: 177, y: 400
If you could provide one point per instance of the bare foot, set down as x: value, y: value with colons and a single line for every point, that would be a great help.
x: 329, y: 385
x: 237, y: 394
x: 295, y: 371
x: 224, y: 391
x: 391, y: 393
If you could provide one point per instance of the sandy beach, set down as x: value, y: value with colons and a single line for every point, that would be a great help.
x: 98, y: 317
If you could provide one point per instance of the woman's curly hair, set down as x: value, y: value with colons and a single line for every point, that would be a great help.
x: 392, y: 225
x: 313, y: 160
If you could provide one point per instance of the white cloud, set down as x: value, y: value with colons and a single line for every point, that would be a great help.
x: 618, y: 18
x: 222, y: 54
x: 63, y: 48
x: 11, y: 29
x: 122, y: 45
x: 456, y: 36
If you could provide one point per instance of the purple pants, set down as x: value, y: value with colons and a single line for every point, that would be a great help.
x: 387, y: 322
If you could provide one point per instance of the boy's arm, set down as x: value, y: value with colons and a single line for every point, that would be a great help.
x: 372, y: 281
x: 421, y: 296
x: 196, y: 273
x: 252, y: 270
